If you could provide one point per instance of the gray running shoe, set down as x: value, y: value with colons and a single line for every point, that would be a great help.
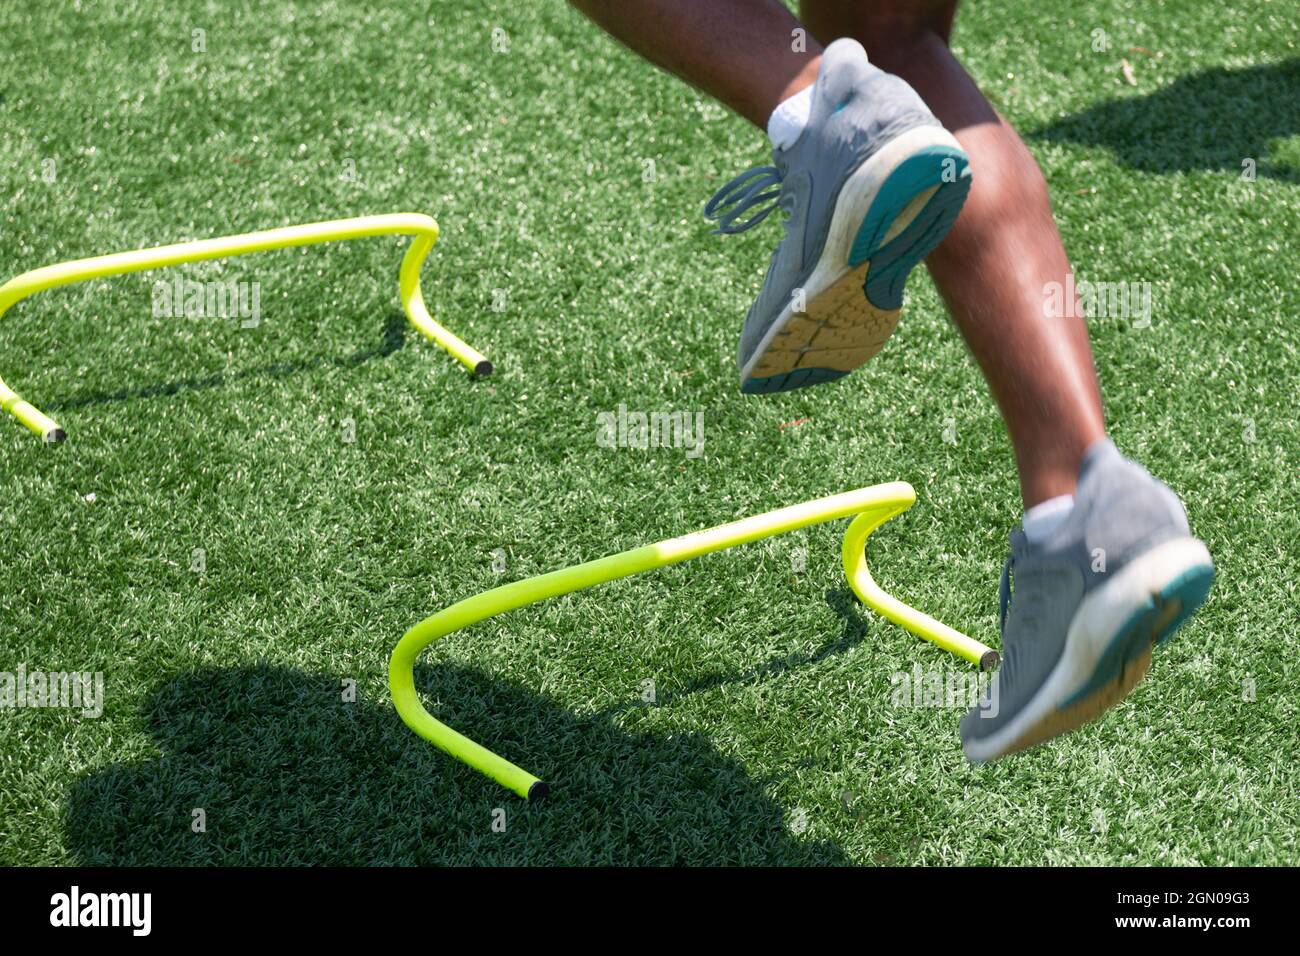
x: 871, y: 186
x: 1119, y: 576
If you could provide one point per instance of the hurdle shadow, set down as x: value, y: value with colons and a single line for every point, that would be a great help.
x: 393, y: 340
x: 1210, y: 120
x: 287, y: 773
x: 841, y: 600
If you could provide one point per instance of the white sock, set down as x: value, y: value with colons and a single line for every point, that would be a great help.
x: 1045, y: 517
x: 789, y: 118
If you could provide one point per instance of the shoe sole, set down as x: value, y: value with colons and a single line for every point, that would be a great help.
x: 888, y: 216
x: 1108, y: 647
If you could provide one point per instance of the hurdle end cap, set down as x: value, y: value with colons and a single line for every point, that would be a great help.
x: 990, y: 660
x: 483, y: 369
x: 538, y: 790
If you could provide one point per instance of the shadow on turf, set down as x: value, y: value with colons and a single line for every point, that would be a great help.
x: 288, y: 774
x: 841, y: 600
x: 394, y: 339
x: 1211, y: 120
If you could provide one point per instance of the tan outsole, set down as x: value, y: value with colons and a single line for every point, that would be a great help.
x: 839, y: 329
x: 1071, y: 718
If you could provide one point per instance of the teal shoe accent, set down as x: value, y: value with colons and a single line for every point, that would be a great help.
x: 891, y: 264
x: 799, y: 378
x: 1144, y: 628
x: 1192, y: 588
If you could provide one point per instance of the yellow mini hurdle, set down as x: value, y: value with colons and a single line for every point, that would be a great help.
x: 873, y: 506
x: 422, y: 227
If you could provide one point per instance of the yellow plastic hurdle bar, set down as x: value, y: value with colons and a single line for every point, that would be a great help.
x: 873, y: 506
x: 422, y: 227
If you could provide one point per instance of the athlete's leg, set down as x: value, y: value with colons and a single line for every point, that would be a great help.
x: 1003, y: 252
x: 1115, y: 571
x: 741, y: 52
x: 858, y: 166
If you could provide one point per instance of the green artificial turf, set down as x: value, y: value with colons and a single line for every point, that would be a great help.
x: 587, y: 275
